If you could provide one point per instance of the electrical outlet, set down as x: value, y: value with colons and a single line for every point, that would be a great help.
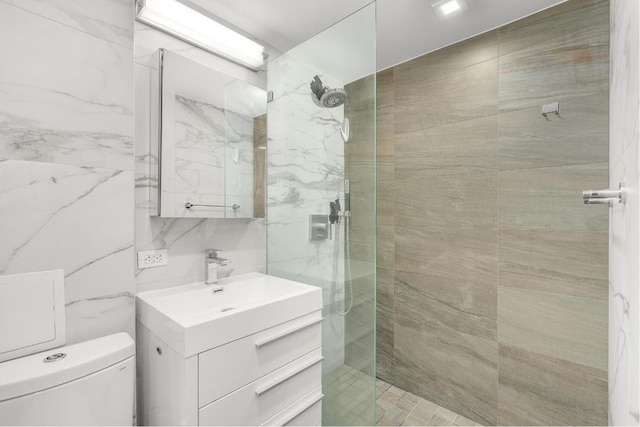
x: 155, y: 258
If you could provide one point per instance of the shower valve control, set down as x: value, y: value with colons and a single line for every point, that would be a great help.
x: 318, y: 227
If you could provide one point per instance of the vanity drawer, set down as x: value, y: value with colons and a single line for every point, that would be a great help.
x: 305, y: 412
x: 259, y: 401
x: 233, y: 365
x: 312, y: 416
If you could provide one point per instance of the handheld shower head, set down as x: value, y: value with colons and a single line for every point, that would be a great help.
x: 326, y: 97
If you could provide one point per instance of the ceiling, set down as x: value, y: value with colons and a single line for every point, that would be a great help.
x: 405, y: 28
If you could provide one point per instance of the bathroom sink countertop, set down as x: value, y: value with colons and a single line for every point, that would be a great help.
x: 196, y: 317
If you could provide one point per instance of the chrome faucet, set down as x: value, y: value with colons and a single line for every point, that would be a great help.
x: 212, y: 261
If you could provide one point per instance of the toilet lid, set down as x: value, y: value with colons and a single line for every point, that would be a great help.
x: 51, y: 368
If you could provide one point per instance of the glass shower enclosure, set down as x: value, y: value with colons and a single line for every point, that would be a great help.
x: 321, y: 199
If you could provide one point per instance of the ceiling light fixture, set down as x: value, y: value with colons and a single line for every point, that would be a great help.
x: 447, y: 8
x: 182, y: 22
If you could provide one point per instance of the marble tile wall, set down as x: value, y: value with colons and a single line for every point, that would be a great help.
x: 307, y: 164
x: 492, y: 296
x: 242, y: 241
x: 66, y: 155
x: 305, y: 171
x: 624, y: 297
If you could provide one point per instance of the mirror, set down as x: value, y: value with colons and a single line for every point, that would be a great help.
x: 212, y: 137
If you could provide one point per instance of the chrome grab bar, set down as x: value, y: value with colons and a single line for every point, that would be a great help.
x: 190, y: 205
x: 605, y: 197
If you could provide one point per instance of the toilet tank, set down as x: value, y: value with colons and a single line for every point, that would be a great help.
x: 90, y: 383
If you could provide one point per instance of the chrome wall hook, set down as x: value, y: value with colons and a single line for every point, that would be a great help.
x: 553, y: 108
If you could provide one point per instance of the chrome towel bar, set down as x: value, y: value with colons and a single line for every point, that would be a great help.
x: 605, y: 197
x: 190, y: 205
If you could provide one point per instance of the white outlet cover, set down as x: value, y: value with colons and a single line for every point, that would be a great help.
x: 153, y: 258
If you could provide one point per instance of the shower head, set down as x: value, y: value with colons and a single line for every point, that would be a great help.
x: 326, y: 97
x: 333, y: 98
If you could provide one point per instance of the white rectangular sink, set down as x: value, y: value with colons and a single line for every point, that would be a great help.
x: 193, y: 318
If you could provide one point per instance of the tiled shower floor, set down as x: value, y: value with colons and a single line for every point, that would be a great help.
x: 396, y: 407
x: 348, y: 403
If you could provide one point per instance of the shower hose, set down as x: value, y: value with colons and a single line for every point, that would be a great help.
x: 348, y: 285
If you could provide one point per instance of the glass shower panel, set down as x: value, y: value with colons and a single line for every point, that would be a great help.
x: 321, y: 186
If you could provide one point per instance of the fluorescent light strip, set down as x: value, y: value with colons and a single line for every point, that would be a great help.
x: 185, y: 23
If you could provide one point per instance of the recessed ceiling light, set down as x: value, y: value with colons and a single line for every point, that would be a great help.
x: 447, y: 8
x: 191, y: 26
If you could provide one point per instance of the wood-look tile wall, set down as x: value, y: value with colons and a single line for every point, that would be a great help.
x: 552, y: 263
x: 360, y: 152
x: 492, y: 274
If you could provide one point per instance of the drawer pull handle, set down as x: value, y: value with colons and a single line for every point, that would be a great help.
x: 307, y: 406
x: 283, y: 334
x: 261, y: 390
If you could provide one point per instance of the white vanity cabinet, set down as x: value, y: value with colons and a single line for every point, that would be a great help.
x: 269, y: 377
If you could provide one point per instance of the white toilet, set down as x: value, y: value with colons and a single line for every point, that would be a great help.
x: 90, y: 383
